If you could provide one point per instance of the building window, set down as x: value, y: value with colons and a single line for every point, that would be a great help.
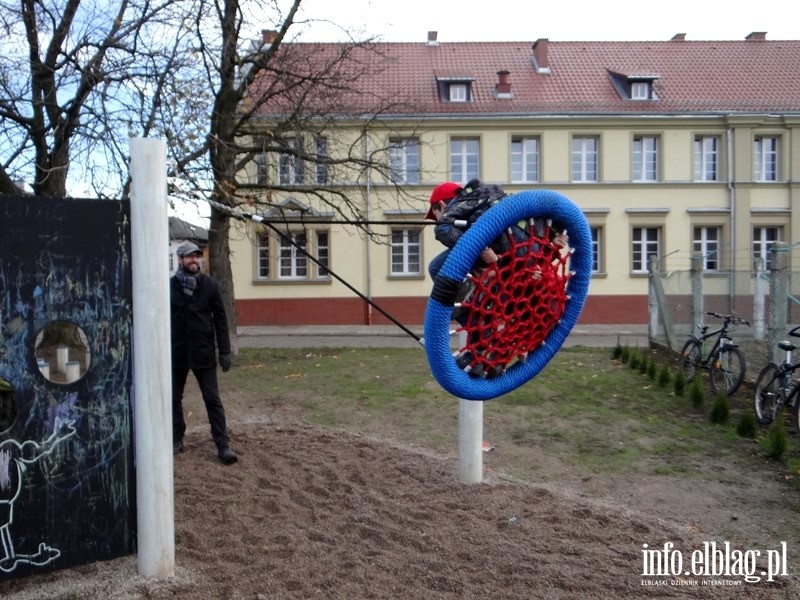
x: 640, y: 90
x: 765, y: 158
x: 404, y: 160
x: 584, y: 159
x: 763, y: 239
x: 405, y: 249
x: 290, y: 165
x: 262, y: 257
x: 261, y: 168
x: 321, y: 166
x: 464, y: 159
x: 706, y: 158
x: 706, y: 243
x: 525, y: 160
x: 645, y: 158
x: 290, y: 260
x: 458, y: 92
x: 646, y: 243
x: 597, y: 244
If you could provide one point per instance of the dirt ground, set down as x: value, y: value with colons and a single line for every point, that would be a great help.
x: 310, y: 512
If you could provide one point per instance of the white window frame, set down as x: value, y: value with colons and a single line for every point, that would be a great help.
x: 706, y: 157
x: 597, y: 249
x: 766, y: 157
x: 640, y: 90
x: 458, y: 92
x: 585, y: 158
x: 465, y: 159
x: 290, y: 167
x: 525, y: 155
x: 321, y: 166
x: 645, y: 158
x: 404, y: 160
x: 277, y: 259
x: 648, y: 244
x: 764, y: 236
x: 706, y: 241
x: 405, y: 252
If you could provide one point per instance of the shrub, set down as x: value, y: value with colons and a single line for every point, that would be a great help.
x: 625, y: 355
x: 634, y: 361
x: 644, y: 362
x: 651, y: 368
x: 721, y: 410
x: 696, y: 393
x: 679, y: 384
x: 664, y: 376
x: 747, y: 427
x: 776, y: 441
x: 617, y: 353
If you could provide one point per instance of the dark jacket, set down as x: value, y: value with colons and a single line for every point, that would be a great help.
x: 198, y: 326
x: 463, y: 210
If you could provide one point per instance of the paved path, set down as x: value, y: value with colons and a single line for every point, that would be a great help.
x: 390, y: 336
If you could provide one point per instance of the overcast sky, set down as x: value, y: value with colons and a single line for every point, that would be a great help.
x: 557, y: 20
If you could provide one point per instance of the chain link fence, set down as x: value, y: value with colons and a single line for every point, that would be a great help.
x: 679, y: 301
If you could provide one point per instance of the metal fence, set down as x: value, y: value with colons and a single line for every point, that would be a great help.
x: 679, y: 301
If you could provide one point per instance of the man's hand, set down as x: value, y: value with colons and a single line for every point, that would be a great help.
x: 225, y: 362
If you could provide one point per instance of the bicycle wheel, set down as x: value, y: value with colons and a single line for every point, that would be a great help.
x: 727, y: 370
x: 690, y: 357
x: 768, y: 397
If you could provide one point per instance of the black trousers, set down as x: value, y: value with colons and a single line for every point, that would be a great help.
x: 207, y: 380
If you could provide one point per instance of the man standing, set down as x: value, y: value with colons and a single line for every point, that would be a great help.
x: 198, y: 325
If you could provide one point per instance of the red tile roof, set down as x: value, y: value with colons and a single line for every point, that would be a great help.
x: 693, y: 77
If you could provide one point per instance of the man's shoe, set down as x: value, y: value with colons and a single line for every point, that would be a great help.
x: 227, y: 456
x: 177, y: 447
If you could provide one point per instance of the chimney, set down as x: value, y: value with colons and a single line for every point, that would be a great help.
x: 432, y: 38
x: 503, y: 87
x: 268, y: 36
x: 757, y: 35
x: 679, y: 37
x: 540, y: 62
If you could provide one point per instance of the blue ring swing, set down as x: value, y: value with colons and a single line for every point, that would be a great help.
x: 519, y: 206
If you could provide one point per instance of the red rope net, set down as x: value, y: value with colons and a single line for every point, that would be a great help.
x: 510, y: 306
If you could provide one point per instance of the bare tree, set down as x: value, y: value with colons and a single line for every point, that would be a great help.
x: 65, y: 80
x: 271, y: 91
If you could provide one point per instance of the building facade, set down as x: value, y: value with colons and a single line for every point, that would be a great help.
x: 671, y: 149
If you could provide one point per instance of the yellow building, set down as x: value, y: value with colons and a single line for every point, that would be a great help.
x: 670, y: 148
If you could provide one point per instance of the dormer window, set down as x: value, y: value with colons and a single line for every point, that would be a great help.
x: 637, y: 87
x: 640, y: 90
x: 458, y: 92
x: 455, y: 88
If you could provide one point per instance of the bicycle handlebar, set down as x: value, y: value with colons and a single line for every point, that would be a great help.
x: 795, y: 331
x: 739, y: 321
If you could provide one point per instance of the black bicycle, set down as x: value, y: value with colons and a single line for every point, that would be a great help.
x: 724, y: 362
x: 776, y: 386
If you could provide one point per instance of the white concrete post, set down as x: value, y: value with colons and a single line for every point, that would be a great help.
x: 152, y: 370
x: 470, y: 435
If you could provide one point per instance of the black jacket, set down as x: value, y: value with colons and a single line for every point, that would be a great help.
x: 198, y: 325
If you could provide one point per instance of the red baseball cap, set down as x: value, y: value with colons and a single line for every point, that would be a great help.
x: 443, y: 192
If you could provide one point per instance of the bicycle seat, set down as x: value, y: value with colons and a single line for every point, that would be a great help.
x: 786, y: 346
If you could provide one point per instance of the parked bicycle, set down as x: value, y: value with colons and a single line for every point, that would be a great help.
x: 724, y: 362
x: 776, y: 386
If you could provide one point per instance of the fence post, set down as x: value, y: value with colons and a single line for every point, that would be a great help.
x: 659, y: 309
x: 778, y: 296
x: 759, y: 298
x: 696, y: 276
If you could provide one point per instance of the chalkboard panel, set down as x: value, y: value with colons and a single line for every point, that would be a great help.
x: 67, y: 482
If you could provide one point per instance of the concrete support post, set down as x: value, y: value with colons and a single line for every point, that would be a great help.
x: 778, y: 297
x: 696, y: 276
x: 470, y: 435
x: 152, y: 359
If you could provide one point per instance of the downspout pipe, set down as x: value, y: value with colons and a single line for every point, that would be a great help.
x: 732, y: 204
x: 368, y: 255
